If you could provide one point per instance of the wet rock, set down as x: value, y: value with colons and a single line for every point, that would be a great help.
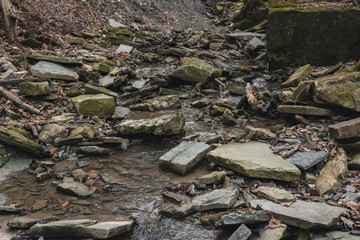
x: 88, y: 132
x: 43, y: 176
x: 346, y: 129
x: 303, y: 214
x: 79, y: 175
x: 172, y: 197
x: 216, y: 199
x: 242, y: 233
x: 269, y: 233
x: 172, y: 124
x: 53, y: 70
x: 340, y: 89
x: 184, y: 157
x: 70, y: 140
x: 177, y: 211
x: 52, y: 131
x: 247, y: 217
x: 166, y: 91
x: 195, y: 70
x: 156, y: 104
x: 201, y: 103
x: 254, y: 159
x: 121, y: 112
x: 74, y: 188
x: 84, y: 228
x: 335, y: 235
x: 52, y: 58
x: 100, y: 105
x: 18, y: 141
x: 114, y: 140
x: 10, y: 209
x: 228, y: 118
x: 334, y: 172
x: 34, y: 88
x: 305, y: 110
x: 260, y: 133
x: 23, y: 222
x: 275, y: 194
x: 91, y: 89
x: 211, y: 178
x: 354, y: 164
x: 124, y: 49
x: 255, y: 43
x: 298, y: 76
x: 93, y: 150
x: 306, y: 160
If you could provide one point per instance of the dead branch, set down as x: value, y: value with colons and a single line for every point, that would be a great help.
x: 9, y: 18
x: 6, y: 94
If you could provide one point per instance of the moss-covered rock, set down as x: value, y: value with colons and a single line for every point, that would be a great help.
x: 303, y: 92
x: 339, y: 89
x: 34, y: 88
x: 100, y: 105
x: 298, y: 76
x: 315, y: 36
x: 195, y: 70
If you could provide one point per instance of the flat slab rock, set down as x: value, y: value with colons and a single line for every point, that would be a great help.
x: 303, y: 214
x: 335, y: 235
x: 346, y: 129
x: 254, y: 159
x: 184, y: 157
x: 306, y: 160
x: 305, y: 110
x: 242, y: 233
x: 247, y: 217
x: 216, y: 199
x: 84, y: 228
x: 75, y: 189
x: 53, y: 70
x: 275, y: 194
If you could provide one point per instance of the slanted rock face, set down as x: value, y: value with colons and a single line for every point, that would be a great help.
x: 339, y: 89
x: 53, y: 70
x: 34, y: 88
x: 161, y: 126
x: 298, y: 76
x: 52, y: 131
x: 254, y: 159
x: 195, y: 70
x: 217, y: 199
x: 100, y: 105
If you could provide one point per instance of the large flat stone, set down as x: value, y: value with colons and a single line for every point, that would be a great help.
x: 53, y: 70
x: 346, y: 129
x: 298, y: 76
x: 254, y: 159
x: 216, y: 199
x: 275, y: 194
x: 100, y: 105
x: 242, y: 233
x: 159, y: 103
x: 333, y: 174
x: 52, y: 58
x: 84, y: 228
x: 247, y: 217
x: 303, y: 214
x: 74, y: 188
x: 184, y: 157
x: 305, y: 110
x: 171, y: 124
x: 306, y: 160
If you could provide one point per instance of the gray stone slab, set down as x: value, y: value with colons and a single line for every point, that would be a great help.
x: 106, y: 230
x: 184, y: 157
x: 216, y: 199
x: 306, y: 160
x: 303, y: 214
x: 335, y: 235
x: 124, y: 49
x: 242, y: 233
x: 75, y: 189
x: 255, y: 43
x: 247, y: 217
x: 53, y: 70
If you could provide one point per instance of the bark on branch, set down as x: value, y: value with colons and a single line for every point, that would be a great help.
x: 9, y: 18
x: 16, y: 100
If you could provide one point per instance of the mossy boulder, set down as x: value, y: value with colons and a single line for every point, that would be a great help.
x: 315, y: 36
x: 100, y: 105
x: 340, y: 89
x: 34, y: 88
x: 298, y: 76
x: 18, y: 141
x: 195, y: 70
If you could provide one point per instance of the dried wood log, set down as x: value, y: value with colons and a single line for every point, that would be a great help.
x: 6, y: 94
x: 9, y: 18
x: 251, y: 96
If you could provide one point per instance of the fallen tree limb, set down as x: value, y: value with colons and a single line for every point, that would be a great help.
x: 6, y: 94
x: 13, y: 82
x: 9, y: 18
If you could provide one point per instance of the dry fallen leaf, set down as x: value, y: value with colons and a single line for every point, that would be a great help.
x: 274, y: 223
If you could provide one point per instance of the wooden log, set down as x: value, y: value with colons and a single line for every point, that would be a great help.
x: 9, y: 18
x: 6, y: 94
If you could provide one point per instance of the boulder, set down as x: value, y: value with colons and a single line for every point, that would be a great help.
x: 34, y: 88
x: 306, y: 160
x: 346, y: 129
x: 298, y: 76
x: 216, y: 199
x: 305, y: 110
x: 52, y: 131
x: 74, y: 188
x: 171, y: 124
x: 18, y: 141
x: 303, y: 214
x: 333, y: 174
x: 313, y: 39
x: 100, y: 105
x: 340, y: 89
x: 247, y: 217
x: 53, y: 70
x: 275, y: 194
x: 195, y: 70
x: 184, y: 157
x: 159, y: 103
x: 254, y: 159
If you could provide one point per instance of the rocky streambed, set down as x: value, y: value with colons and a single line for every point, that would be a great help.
x: 124, y: 134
